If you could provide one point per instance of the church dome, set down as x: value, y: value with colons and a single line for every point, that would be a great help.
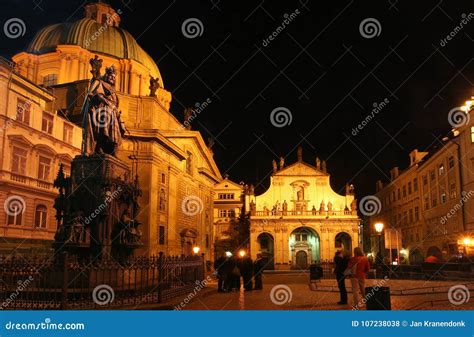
x: 98, y: 32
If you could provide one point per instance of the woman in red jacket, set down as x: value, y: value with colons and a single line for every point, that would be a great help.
x: 357, y: 269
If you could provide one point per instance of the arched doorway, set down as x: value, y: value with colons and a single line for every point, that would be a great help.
x: 343, y: 241
x: 266, y: 248
x: 188, y: 240
x: 304, y: 248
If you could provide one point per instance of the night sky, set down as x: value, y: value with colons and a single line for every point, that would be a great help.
x: 319, y: 67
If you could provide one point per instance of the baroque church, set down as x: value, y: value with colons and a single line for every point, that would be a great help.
x: 300, y: 219
x: 43, y: 90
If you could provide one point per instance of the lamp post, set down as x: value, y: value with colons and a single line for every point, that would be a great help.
x: 379, y: 228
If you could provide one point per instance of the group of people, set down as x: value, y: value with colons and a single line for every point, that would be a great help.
x: 355, y: 268
x: 230, y: 270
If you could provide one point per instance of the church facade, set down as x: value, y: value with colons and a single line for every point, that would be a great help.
x: 300, y: 219
x: 175, y: 166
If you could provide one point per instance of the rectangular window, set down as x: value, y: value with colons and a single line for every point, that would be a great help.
x: 425, y: 180
x: 15, y: 218
x: 23, y: 111
x: 44, y: 168
x: 163, y: 178
x: 50, y: 79
x: 417, y: 213
x: 161, y: 235
x: 415, y: 184
x: 404, y: 191
x: 19, y: 161
x: 443, y: 198
x: 226, y: 196
x: 434, y: 198
x: 451, y: 162
x: 222, y: 213
x: 409, y: 188
x: 410, y: 215
x: 231, y: 213
x: 432, y: 175
x: 472, y: 134
x: 47, y: 123
x: 452, y: 190
x: 426, y: 200
x: 67, y: 133
x: 398, y: 194
x: 441, y: 170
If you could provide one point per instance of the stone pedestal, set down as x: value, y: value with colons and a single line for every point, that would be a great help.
x: 96, y: 209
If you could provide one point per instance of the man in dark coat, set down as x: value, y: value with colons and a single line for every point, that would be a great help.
x: 340, y: 261
x: 246, y: 270
x: 219, y: 266
x: 258, y: 268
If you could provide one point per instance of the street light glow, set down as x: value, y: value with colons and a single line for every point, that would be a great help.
x: 196, y: 249
x: 467, y: 241
x: 228, y: 254
x: 242, y: 253
x: 379, y: 227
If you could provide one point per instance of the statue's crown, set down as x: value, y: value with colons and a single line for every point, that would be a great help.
x: 110, y: 70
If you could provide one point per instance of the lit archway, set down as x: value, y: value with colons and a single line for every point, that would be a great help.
x: 343, y: 241
x: 266, y: 248
x: 304, y: 247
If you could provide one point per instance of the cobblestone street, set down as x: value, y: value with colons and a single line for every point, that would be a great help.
x: 406, y: 295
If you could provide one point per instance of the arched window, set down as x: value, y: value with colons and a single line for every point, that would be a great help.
x: 41, y: 215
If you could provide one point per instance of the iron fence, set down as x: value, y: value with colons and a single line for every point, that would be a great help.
x: 47, y: 283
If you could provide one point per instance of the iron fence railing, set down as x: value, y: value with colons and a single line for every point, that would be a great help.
x: 47, y: 283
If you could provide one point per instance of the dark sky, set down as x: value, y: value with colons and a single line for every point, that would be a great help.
x: 319, y: 67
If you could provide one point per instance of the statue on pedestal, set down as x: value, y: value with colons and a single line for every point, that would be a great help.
x: 274, y: 164
x: 282, y: 163
x: 96, y: 65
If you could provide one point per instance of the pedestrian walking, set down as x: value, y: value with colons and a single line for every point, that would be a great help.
x: 357, y: 268
x: 341, y: 261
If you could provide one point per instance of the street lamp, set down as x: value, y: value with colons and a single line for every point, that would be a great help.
x: 379, y: 229
x: 196, y: 250
x: 228, y: 254
x: 242, y: 253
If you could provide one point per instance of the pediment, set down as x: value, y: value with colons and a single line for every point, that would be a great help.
x: 300, y: 169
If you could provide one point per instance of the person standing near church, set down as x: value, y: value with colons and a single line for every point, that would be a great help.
x: 341, y: 261
x: 357, y: 269
x: 258, y: 267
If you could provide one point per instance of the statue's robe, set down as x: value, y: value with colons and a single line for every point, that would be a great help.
x: 103, y: 125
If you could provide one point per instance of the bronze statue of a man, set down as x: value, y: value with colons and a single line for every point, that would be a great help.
x: 103, y: 126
